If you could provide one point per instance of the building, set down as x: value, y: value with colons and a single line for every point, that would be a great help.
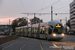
x: 72, y: 15
x: 5, y: 29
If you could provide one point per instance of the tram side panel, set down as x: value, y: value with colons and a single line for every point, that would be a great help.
x: 25, y: 29
x: 32, y: 32
x: 43, y: 32
x: 16, y: 31
x: 35, y: 32
x: 50, y: 31
x: 29, y: 31
x: 21, y: 31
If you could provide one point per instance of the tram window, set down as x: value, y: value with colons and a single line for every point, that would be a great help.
x: 29, y: 30
x: 16, y: 30
x: 51, y: 27
x: 42, y: 30
x: 50, y: 30
x: 36, y: 29
x: 58, y: 30
x: 25, y: 30
x: 21, y: 30
x: 46, y: 30
x: 32, y: 30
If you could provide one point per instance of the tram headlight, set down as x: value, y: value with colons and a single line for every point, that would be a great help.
x: 54, y: 34
x: 63, y: 34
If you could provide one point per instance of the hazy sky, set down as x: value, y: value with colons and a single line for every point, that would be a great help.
x: 11, y: 9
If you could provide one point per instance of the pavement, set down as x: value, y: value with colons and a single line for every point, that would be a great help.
x: 1, y: 36
x: 24, y: 43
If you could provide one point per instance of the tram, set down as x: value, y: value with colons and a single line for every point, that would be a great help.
x: 48, y: 30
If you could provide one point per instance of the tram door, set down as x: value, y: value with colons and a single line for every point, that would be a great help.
x: 29, y: 32
x: 43, y: 32
x: 36, y: 32
x: 21, y: 31
x: 17, y: 31
x: 25, y: 31
x: 32, y: 34
x: 50, y: 30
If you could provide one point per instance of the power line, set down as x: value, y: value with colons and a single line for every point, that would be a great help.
x: 60, y: 8
x: 42, y: 9
x: 23, y: 5
x: 48, y: 6
x: 43, y: 4
x: 55, y: 2
x: 44, y: 13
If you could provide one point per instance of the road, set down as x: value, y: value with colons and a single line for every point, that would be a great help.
x: 24, y: 43
x: 1, y: 36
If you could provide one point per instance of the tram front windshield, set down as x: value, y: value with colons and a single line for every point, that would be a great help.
x: 58, y: 30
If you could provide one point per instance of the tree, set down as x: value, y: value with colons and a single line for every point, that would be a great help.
x: 35, y: 20
x: 22, y: 22
x: 68, y: 23
x: 19, y: 22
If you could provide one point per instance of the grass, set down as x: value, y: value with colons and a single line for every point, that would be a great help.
x: 7, y: 39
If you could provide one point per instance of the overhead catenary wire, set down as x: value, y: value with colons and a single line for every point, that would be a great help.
x: 44, y: 13
x: 43, y: 4
x: 60, y: 8
x: 23, y: 5
x: 55, y: 2
x: 48, y: 6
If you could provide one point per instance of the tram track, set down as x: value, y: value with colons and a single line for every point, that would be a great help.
x: 9, y: 45
x: 24, y: 44
x: 41, y: 45
x: 51, y: 43
x: 55, y: 45
x: 15, y: 43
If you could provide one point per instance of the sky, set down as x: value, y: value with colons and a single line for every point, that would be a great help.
x: 12, y: 9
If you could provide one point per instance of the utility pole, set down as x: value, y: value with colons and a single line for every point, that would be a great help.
x: 9, y: 28
x: 34, y: 14
x: 65, y: 23
x: 51, y: 13
x: 34, y: 17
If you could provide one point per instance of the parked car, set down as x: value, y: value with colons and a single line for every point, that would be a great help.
x: 71, y: 32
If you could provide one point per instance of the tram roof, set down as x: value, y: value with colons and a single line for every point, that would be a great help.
x: 17, y: 27
x: 54, y: 23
